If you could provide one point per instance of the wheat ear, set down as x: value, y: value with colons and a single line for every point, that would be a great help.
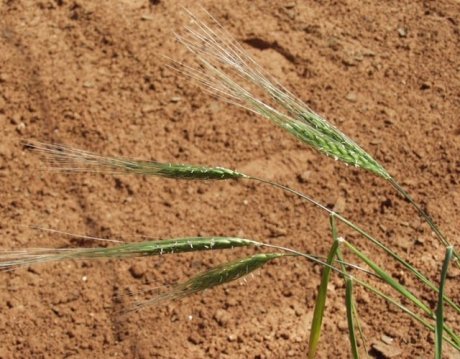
x: 219, y: 275
x: 227, y: 71
x: 20, y: 258
x: 64, y: 158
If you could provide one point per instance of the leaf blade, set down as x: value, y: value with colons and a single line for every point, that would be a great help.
x: 320, y: 305
x: 440, y: 306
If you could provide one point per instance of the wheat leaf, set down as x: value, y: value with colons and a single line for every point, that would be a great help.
x: 320, y: 304
x: 349, y: 303
x: 440, y: 307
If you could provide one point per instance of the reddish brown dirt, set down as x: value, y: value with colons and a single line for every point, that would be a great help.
x: 91, y: 74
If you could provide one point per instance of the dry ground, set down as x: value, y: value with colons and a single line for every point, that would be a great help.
x: 91, y: 74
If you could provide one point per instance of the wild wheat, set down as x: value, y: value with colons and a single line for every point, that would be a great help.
x: 229, y: 72
x: 219, y: 275
x: 64, y: 158
x: 20, y: 258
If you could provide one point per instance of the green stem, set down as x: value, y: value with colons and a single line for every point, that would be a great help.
x: 353, y: 317
x: 350, y: 317
x: 400, y: 288
x: 424, y: 215
x: 361, y: 231
x: 366, y: 285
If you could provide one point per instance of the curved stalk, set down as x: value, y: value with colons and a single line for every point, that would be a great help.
x: 424, y: 215
x: 361, y: 231
x: 369, y: 287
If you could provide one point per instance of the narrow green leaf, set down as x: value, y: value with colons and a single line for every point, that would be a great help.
x: 401, y: 289
x: 315, y: 331
x: 406, y: 310
x: 349, y: 301
x: 440, y: 307
x: 390, y: 280
x: 219, y: 275
x: 20, y: 258
x: 350, y: 317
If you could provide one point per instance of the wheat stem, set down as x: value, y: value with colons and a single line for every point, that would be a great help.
x: 427, y: 218
x: 320, y: 305
x: 453, y: 340
x: 350, y: 303
x: 365, y: 234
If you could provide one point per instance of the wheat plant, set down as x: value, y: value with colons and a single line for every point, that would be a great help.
x: 224, y: 69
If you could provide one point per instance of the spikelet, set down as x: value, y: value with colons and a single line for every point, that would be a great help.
x: 63, y: 158
x: 26, y: 257
x: 219, y: 275
x: 228, y: 72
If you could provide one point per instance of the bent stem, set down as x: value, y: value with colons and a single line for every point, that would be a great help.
x: 424, y: 215
x: 400, y: 288
x: 366, y: 235
x: 369, y: 287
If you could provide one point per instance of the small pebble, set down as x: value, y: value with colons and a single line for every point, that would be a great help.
x: 21, y: 127
x: 231, y: 338
x: 304, y: 176
x: 195, y: 339
x: 222, y: 317
x: 351, y: 96
x: 402, y: 32
x: 339, y: 205
x: 342, y: 325
x: 148, y: 108
x: 88, y: 84
x: 137, y: 270
x: 387, y: 351
x: 386, y: 339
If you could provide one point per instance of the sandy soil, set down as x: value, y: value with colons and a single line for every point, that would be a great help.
x: 91, y: 74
